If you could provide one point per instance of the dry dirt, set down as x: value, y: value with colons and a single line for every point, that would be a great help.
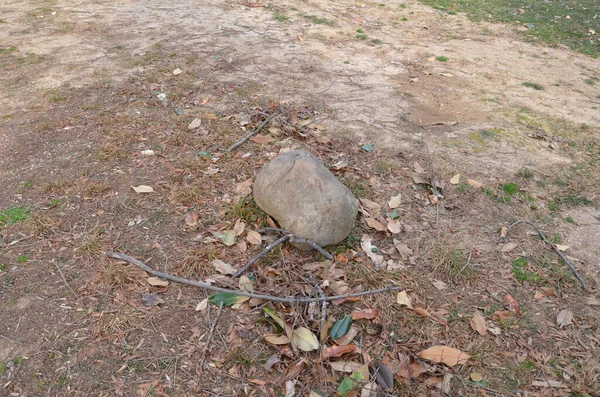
x: 79, y: 102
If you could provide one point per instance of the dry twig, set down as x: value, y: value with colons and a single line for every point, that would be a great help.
x: 262, y: 253
x: 465, y: 266
x: 210, y: 336
x: 554, y: 247
x: 254, y: 131
x: 167, y: 276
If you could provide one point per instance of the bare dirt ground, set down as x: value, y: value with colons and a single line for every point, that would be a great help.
x: 434, y: 94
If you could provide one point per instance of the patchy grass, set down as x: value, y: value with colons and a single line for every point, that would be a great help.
x: 442, y: 58
x: 317, y: 20
x: 545, y: 21
x: 535, y: 86
x: 14, y: 215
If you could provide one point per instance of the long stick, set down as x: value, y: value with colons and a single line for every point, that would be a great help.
x: 254, y: 131
x: 262, y: 253
x: 167, y: 276
x: 553, y: 246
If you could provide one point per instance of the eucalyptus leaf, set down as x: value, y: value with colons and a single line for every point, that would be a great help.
x: 394, y: 214
x: 227, y: 298
x: 368, y: 147
x: 278, y: 321
x: 341, y: 327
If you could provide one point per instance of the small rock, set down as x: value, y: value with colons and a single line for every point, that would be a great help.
x: 305, y: 198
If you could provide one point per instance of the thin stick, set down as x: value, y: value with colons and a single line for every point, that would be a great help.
x: 553, y: 246
x: 262, y: 253
x: 324, y: 303
x: 64, y: 279
x: 254, y: 131
x: 210, y: 336
x: 313, y: 245
x: 299, y: 240
x: 167, y: 276
x: 465, y: 266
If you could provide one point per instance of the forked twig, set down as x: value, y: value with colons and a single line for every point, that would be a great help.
x: 465, y: 266
x: 299, y: 240
x: 254, y: 131
x: 262, y: 253
x: 210, y: 336
x: 554, y: 247
x: 181, y: 280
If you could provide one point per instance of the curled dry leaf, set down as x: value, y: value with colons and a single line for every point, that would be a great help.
x: 421, y: 312
x: 476, y: 377
x: 151, y: 300
x: 191, y: 219
x: 455, y: 179
x: 245, y: 284
x: 403, y: 249
x: 368, y: 248
x: 347, y: 338
x: 262, y: 139
x: 336, y: 351
x: 394, y: 226
x: 508, y: 247
x: 239, y: 227
x: 403, y: 299
x: 474, y: 183
x: 503, y: 231
x: 440, y: 285
x: 367, y: 314
x: 549, y: 383
x: 253, y: 237
x: 143, y: 189
x: 345, y: 366
x: 222, y: 267
x: 501, y: 315
x: 445, y: 354
x: 477, y: 322
x: 277, y: 339
x: 202, y: 305
x: 244, y: 188
x: 418, y: 168
x: 157, y: 282
x: 395, y: 201
x: 564, y: 318
x: 195, y: 124
x: 305, y: 340
x: 375, y: 224
x: 511, y: 304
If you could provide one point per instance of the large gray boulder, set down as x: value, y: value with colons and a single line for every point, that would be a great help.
x: 305, y: 198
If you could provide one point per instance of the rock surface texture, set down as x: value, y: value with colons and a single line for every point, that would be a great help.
x: 305, y: 198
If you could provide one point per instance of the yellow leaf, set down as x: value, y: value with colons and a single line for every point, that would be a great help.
x: 157, y: 282
x: 262, y: 139
x: 474, y: 183
x: 305, y: 340
x: 394, y: 226
x: 202, y: 305
x: 222, y: 267
x: 143, y: 189
x: 403, y: 299
x: 562, y: 247
x: 244, y: 188
x: 395, y: 201
x: 476, y: 377
x: 373, y: 223
x: 455, y: 179
x: 445, y: 354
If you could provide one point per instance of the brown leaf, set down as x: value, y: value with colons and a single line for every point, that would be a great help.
x: 403, y: 249
x: 440, y: 285
x: 157, y: 282
x: 403, y: 299
x: 501, y: 315
x: 474, y: 183
x: 508, y: 247
x: 345, y: 366
x: 503, y: 231
x: 376, y: 225
x: 421, y: 312
x: 254, y: 237
x: 336, y: 351
x: 455, y: 180
x: 150, y: 300
x: 262, y: 139
x: 394, y: 226
x: 477, y: 322
x: 277, y: 339
x: 549, y: 291
x: 445, y: 354
x: 244, y: 188
x: 511, y: 304
x: 346, y: 339
x: 564, y: 318
x: 239, y: 227
x: 538, y: 295
x: 367, y: 314
x: 418, y: 168
x: 191, y: 218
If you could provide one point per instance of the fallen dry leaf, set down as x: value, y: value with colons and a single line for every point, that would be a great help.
x: 508, y: 247
x: 503, y: 231
x: 445, y: 354
x: 474, y: 183
x: 395, y: 201
x: 420, y: 181
x: 538, y: 295
x: 564, y: 318
x: 202, y: 305
x: 346, y: 339
x: 223, y: 268
x: 239, y: 227
x: 440, y: 285
x: 477, y: 322
x: 245, y: 284
x: 369, y: 204
x: 476, y: 377
x: 418, y: 168
x: 151, y: 300
x: 501, y: 315
x: 367, y: 314
x: 403, y: 299
x: 305, y: 340
x: 511, y: 304
x: 549, y: 291
x: 549, y: 383
x: 455, y: 179
x: 373, y: 223
x: 336, y: 351
x: 421, y: 312
x: 345, y: 366
x: 195, y: 124
x: 561, y: 247
x: 394, y: 226
x: 157, y: 282
x: 244, y: 188
x: 254, y: 237
x: 277, y: 339
x: 403, y: 249
x: 592, y: 301
x: 262, y: 139
x: 143, y: 189
x: 191, y: 219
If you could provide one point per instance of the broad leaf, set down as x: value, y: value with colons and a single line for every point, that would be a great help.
x: 341, y: 327
x: 305, y: 339
x: 227, y: 298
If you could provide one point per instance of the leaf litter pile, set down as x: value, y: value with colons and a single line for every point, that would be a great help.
x: 483, y: 307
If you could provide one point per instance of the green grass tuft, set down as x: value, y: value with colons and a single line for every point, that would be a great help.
x: 14, y: 215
